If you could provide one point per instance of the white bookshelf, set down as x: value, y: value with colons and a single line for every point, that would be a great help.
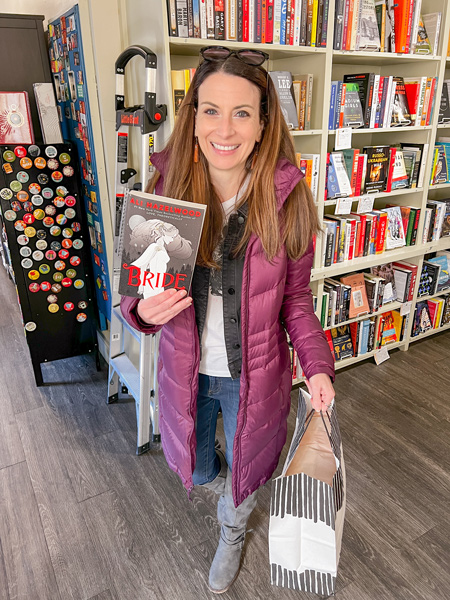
x: 327, y: 65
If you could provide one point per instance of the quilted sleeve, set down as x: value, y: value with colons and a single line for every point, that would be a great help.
x: 302, y: 325
x: 129, y: 312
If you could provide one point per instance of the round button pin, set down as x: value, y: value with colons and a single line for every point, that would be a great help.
x: 76, y: 226
x: 42, y: 178
x: 60, y: 265
x: 68, y: 171
x: 64, y: 158
x: 6, y: 194
x: 15, y: 185
x: 70, y: 201
x: 67, y: 233
x: 7, y: 168
x: 51, y: 151
x: 22, y: 196
x: 71, y: 273
x: 77, y: 244
x: 10, y: 215
x: 30, y: 326
x: 38, y: 255
x: 50, y: 255
x: 16, y: 206
x: 66, y: 282
x: 25, y: 251
x: 9, y: 156
x: 20, y: 225
x: 56, y: 246
x: 56, y: 288
x: 26, y: 163
x: 20, y: 151
x: 37, y: 200
x: 50, y: 210
x: 47, y: 193
x: 81, y: 317
x: 53, y: 308
x: 58, y: 277
x: 69, y: 306
x: 34, y: 188
x: 62, y: 191
x: 30, y: 231
x: 34, y: 287
x: 41, y: 234
x: 52, y: 164
x: 75, y: 261
x: 26, y: 263
x: 41, y: 245
x: 22, y: 176
x: 33, y: 274
x: 61, y: 219
x: 52, y: 298
x: 70, y: 213
x: 78, y: 284
x: 34, y: 150
x: 55, y: 230
x: 27, y: 206
x: 44, y: 269
x: 45, y: 286
x: 22, y: 240
x: 63, y: 254
x: 56, y: 176
x: 58, y: 202
x: 48, y: 221
x: 82, y: 304
x: 66, y: 244
x: 40, y: 163
x: 28, y: 218
x: 38, y: 214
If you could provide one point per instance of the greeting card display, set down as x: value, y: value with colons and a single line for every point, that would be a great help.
x: 48, y: 243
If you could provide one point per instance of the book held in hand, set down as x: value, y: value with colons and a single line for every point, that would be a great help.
x: 158, y: 244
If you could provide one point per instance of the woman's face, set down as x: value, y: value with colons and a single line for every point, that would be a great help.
x: 227, y: 122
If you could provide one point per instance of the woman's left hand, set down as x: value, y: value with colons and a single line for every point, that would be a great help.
x: 321, y: 390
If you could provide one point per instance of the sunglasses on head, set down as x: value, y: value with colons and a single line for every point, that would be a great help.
x: 254, y: 58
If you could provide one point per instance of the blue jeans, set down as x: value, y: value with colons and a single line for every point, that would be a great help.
x: 214, y: 393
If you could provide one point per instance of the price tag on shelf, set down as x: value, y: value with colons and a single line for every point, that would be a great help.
x: 343, y: 138
x: 381, y: 355
x: 343, y: 206
x: 365, y: 204
x: 405, y: 308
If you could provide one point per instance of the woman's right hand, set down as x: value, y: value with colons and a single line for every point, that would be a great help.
x: 159, y: 309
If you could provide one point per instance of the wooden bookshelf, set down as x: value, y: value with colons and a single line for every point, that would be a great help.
x: 326, y: 65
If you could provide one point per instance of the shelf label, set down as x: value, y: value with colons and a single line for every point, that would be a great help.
x: 343, y: 138
x: 343, y: 206
x: 365, y: 204
x: 381, y: 355
x: 405, y: 308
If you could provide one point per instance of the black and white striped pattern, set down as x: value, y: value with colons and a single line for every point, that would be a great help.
x: 303, y: 497
x: 315, y: 582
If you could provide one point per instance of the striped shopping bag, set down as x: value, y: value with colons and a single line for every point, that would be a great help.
x: 308, y: 505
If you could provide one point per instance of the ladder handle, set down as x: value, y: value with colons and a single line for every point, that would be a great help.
x: 130, y: 52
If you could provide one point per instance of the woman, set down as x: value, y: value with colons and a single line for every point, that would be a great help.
x: 224, y: 346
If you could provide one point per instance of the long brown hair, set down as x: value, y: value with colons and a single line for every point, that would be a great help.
x: 294, y: 226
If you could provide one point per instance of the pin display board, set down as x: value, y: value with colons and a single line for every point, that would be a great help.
x: 49, y: 247
x: 69, y: 76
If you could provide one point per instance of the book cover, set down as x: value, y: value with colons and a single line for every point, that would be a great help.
x: 401, y: 115
x: 440, y: 174
x: 423, y: 45
x: 432, y: 23
x: 428, y: 278
x: 389, y: 334
x: 282, y: 81
x: 445, y: 318
x: 353, y: 114
x: 365, y: 83
x: 377, y: 168
x: 368, y: 33
x: 443, y: 281
x: 399, y: 174
x: 158, y: 244
x: 386, y: 271
x: 422, y: 320
x: 15, y: 118
x: 342, y: 342
x: 444, y: 105
x: 395, y: 237
x: 359, y: 303
x: 48, y: 113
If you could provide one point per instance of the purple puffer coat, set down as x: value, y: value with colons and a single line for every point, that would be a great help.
x: 273, y: 295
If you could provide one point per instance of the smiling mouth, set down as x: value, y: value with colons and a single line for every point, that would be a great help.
x: 224, y: 148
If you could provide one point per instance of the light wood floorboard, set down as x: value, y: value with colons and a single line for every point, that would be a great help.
x: 82, y: 517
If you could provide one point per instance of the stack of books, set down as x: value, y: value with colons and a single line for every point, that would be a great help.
x: 309, y: 165
x: 286, y: 22
x: 436, y: 221
x: 368, y: 100
x: 295, y: 96
x: 386, y: 26
x: 375, y: 169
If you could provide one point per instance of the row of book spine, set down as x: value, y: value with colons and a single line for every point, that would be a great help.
x: 286, y: 22
x: 368, y: 100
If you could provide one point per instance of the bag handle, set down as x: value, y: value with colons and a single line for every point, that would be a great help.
x: 309, y: 419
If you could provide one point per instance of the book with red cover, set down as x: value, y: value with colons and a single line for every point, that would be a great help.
x: 269, y: 22
x: 245, y: 27
x: 15, y: 118
x: 392, y: 153
x: 413, y: 269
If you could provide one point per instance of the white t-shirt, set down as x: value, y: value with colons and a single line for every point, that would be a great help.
x: 214, y: 359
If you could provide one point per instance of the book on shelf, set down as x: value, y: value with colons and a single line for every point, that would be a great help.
x: 444, y: 105
x: 400, y: 114
x: 365, y: 82
x: 422, y: 320
x: 158, y: 244
x: 445, y: 319
x: 442, y: 259
x: 428, y: 278
x: 181, y: 79
x: 432, y: 24
x: 340, y: 341
x: 353, y: 115
x: 386, y: 272
x: 338, y: 183
x: 395, y: 237
x: 377, y: 168
x: 282, y: 81
x: 423, y: 45
x: 303, y: 89
x: 399, y: 177
x: 359, y: 303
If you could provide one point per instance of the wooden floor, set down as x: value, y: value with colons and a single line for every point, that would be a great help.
x: 82, y: 517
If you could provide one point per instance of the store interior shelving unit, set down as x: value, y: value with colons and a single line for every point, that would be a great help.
x: 327, y: 65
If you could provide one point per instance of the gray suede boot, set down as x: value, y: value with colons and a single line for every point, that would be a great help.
x: 227, y: 560
x: 217, y: 485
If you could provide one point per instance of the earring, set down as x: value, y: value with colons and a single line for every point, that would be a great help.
x: 255, y: 156
x: 196, y: 151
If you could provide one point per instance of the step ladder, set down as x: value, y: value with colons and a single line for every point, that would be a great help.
x: 140, y: 382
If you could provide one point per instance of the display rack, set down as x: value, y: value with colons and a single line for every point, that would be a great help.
x: 326, y: 65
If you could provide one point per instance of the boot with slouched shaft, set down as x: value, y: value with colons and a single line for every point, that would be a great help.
x: 227, y: 560
x: 217, y: 485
